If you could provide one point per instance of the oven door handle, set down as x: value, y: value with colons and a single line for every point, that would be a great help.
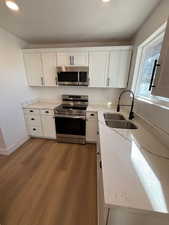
x: 70, y: 116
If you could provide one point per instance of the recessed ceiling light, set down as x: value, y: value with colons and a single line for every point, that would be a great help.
x: 12, y: 5
x: 106, y: 1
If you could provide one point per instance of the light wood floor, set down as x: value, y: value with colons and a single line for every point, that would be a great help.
x: 47, y: 183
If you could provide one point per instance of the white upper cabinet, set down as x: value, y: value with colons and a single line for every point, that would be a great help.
x: 160, y: 86
x: 98, y: 68
x: 34, y: 70
x: 40, y: 68
x: 49, y: 68
x: 108, y: 66
x: 119, y: 68
x: 72, y: 59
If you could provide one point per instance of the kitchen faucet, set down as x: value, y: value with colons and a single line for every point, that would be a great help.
x: 131, y: 114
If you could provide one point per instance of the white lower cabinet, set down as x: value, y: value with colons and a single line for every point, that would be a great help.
x: 101, y: 210
x: 40, y: 123
x: 35, y: 131
x: 48, y: 125
x: 33, y: 122
x: 91, y: 127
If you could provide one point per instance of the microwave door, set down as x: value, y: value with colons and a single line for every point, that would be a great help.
x: 83, y: 78
x: 68, y: 78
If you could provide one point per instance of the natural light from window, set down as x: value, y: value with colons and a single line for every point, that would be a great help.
x: 149, y: 180
x: 149, y: 53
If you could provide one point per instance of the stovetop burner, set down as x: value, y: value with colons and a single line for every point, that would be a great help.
x: 70, y: 110
x: 70, y: 105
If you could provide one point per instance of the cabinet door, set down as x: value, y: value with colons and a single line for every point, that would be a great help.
x: 33, y: 67
x: 98, y: 68
x: 161, y: 83
x: 102, y: 211
x: 73, y: 59
x: 49, y: 68
x: 91, y: 127
x: 80, y: 58
x: 48, y: 126
x: 119, y: 68
x: 63, y: 59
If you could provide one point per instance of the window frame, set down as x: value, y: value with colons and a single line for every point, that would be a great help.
x: 159, y: 33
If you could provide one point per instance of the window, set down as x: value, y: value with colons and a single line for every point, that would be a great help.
x: 148, y: 52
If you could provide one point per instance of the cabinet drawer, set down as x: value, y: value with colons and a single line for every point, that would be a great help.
x: 31, y: 111
x: 91, y: 115
x: 33, y: 120
x: 47, y: 112
x: 35, y: 131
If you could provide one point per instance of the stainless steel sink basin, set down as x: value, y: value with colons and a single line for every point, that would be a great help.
x: 113, y: 116
x: 120, y: 124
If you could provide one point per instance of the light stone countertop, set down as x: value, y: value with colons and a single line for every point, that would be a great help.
x: 42, y: 105
x: 135, y: 163
x: 135, y: 166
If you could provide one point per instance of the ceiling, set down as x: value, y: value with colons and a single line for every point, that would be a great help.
x: 58, y: 21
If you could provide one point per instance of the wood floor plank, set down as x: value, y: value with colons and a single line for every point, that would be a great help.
x: 49, y: 183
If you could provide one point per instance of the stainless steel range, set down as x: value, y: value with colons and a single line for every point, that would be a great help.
x: 70, y: 119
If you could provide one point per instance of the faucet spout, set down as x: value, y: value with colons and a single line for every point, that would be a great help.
x: 131, y: 114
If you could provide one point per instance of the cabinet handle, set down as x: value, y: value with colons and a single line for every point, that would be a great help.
x: 34, y: 129
x: 100, y: 164
x: 71, y: 62
x: 92, y: 114
x: 56, y: 80
x: 31, y: 111
x: 42, y: 81
x: 108, y: 215
x: 32, y: 119
x: 108, y: 82
x: 46, y: 111
x: 153, y: 75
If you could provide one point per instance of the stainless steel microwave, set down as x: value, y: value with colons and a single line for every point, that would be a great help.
x: 73, y: 75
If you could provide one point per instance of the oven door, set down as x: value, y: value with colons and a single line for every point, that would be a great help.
x: 71, y: 127
x: 68, y: 78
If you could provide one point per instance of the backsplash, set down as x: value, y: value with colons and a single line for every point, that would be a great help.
x: 96, y: 95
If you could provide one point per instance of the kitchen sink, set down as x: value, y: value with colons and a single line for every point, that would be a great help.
x: 120, y: 124
x: 113, y: 116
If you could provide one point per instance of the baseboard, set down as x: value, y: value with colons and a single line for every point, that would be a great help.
x: 3, y: 151
x: 13, y: 147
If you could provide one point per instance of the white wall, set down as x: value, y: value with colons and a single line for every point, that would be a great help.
x: 156, y: 115
x: 13, y: 91
x: 158, y: 17
x: 96, y: 95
